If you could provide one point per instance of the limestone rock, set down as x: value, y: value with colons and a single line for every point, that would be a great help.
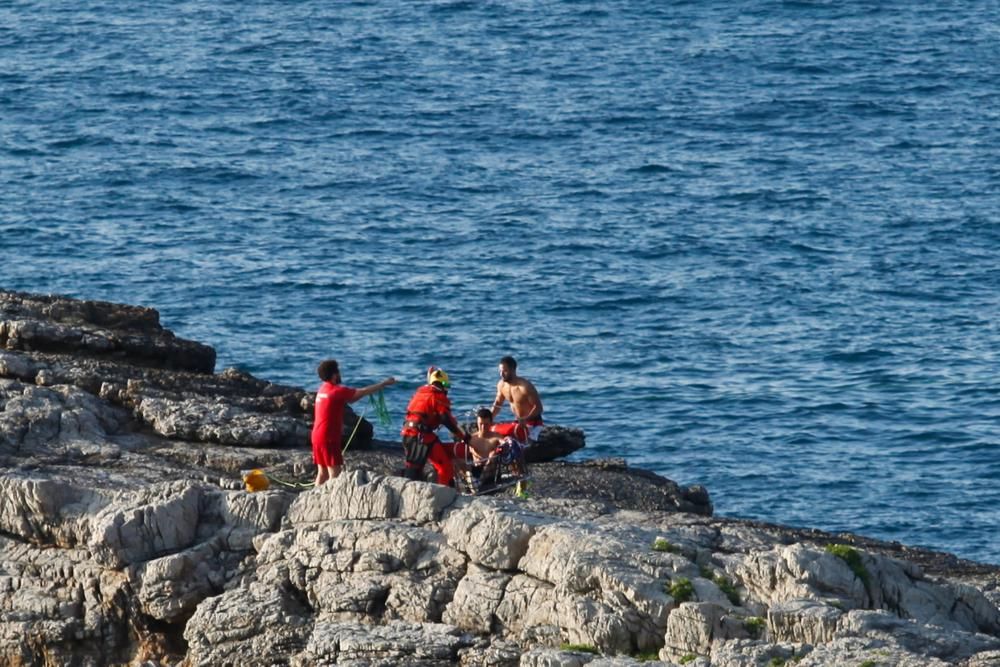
x: 421, y: 645
x: 753, y: 653
x: 170, y: 587
x: 218, y: 421
x: 491, y: 537
x: 46, y: 511
x: 491, y: 653
x: 547, y: 657
x: 55, y: 423
x: 357, y: 495
x: 477, y: 597
x: 932, y: 640
x: 162, y: 520
x: 984, y: 659
x: 694, y: 626
x: 262, y: 624
x: 856, y: 651
x: 593, y: 588
x: 58, y: 605
x: 805, y: 621
x: 371, y: 570
x: 798, y: 572
x: 52, y: 323
x: 126, y: 538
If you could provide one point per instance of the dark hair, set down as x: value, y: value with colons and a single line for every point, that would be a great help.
x: 510, y: 362
x: 327, y: 369
x: 485, y: 413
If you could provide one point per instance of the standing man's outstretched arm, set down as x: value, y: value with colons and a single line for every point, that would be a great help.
x: 371, y: 389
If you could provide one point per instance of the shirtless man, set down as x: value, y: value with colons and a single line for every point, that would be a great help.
x: 524, y: 403
x: 486, y: 446
x: 484, y: 440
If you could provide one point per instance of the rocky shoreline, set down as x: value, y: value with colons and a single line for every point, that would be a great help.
x: 126, y: 538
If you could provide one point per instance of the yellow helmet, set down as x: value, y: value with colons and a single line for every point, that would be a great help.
x: 435, y: 374
x: 256, y: 480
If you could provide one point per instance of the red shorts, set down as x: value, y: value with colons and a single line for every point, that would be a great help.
x: 518, y: 431
x: 328, y: 455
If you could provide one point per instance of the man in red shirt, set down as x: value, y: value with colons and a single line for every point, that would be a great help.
x: 328, y: 426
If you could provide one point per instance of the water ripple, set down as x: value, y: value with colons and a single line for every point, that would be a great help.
x: 760, y: 241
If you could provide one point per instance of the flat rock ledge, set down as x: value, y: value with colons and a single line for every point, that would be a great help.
x: 126, y: 538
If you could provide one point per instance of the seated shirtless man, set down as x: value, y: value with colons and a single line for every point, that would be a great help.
x: 487, y: 446
x: 481, y: 442
x: 524, y: 403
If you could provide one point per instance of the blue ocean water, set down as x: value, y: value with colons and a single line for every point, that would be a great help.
x: 751, y: 245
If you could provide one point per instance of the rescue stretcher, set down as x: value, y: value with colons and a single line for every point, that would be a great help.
x: 505, y: 468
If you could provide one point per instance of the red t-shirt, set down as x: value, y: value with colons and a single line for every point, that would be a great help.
x: 329, y: 421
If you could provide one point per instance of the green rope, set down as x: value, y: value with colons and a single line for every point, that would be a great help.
x: 381, y: 411
x: 357, y: 423
x: 291, y: 485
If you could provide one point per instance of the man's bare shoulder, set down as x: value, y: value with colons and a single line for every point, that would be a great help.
x: 526, y: 384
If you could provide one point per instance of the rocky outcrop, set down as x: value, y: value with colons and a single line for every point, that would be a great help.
x: 356, y: 553
x: 126, y: 536
x: 122, y: 354
x: 35, y: 323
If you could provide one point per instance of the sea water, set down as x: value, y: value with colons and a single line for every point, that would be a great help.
x: 750, y: 245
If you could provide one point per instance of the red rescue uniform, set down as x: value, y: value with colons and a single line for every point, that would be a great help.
x: 429, y: 409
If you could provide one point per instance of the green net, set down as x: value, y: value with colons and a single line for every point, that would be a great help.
x: 377, y: 401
